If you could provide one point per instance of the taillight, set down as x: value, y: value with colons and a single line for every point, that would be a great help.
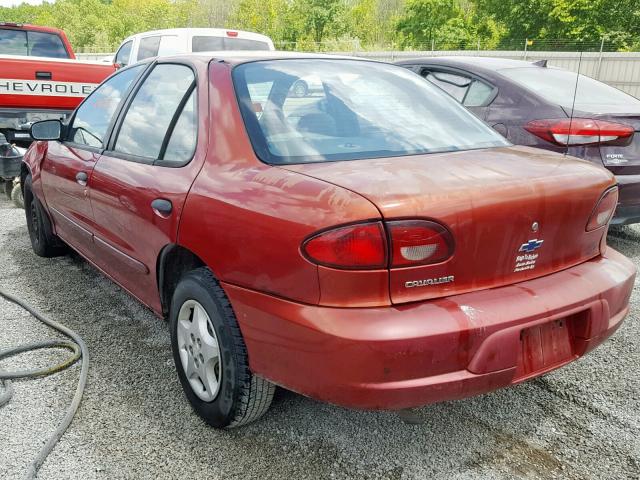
x: 604, y: 210
x: 418, y: 242
x: 232, y: 33
x: 364, y: 246
x: 580, y: 131
x: 360, y: 246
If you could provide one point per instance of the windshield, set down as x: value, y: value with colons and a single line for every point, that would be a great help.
x: 301, y: 110
x: 559, y: 86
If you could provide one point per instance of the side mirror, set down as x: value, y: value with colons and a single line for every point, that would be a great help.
x: 46, y: 130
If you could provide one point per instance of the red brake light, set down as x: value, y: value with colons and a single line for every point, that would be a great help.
x: 360, y: 246
x: 419, y: 242
x: 580, y: 131
x: 231, y: 33
x: 604, y: 210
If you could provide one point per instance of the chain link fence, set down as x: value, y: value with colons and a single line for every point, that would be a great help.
x: 599, y: 60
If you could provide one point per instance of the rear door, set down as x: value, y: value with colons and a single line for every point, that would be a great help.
x: 140, y: 183
x: 68, y: 165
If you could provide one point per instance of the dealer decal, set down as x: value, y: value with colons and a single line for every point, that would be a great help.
x: 526, y: 260
x: 45, y: 87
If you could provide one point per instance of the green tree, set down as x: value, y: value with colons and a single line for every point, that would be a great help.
x: 320, y: 18
x: 423, y: 18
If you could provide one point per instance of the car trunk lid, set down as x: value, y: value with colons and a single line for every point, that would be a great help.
x: 620, y: 159
x: 515, y: 213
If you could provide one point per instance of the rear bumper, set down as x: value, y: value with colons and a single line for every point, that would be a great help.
x: 414, y: 354
x: 628, y: 210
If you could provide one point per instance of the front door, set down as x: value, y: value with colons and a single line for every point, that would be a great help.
x: 68, y: 165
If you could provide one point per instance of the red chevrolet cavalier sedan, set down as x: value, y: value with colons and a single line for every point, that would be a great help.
x: 368, y: 243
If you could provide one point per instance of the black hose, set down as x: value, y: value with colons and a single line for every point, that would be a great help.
x: 79, y: 349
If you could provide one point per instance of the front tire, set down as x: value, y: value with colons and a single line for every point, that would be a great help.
x: 211, y: 357
x: 43, y: 241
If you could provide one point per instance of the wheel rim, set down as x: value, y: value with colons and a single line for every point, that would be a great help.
x: 199, y: 350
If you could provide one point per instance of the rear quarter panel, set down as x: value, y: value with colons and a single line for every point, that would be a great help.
x: 246, y: 220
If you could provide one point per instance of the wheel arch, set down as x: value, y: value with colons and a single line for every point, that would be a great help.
x: 173, y: 262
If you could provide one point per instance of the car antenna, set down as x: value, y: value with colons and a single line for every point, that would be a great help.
x: 573, y: 105
x: 541, y: 63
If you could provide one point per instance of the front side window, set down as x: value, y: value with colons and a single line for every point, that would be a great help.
x: 122, y: 57
x: 350, y: 110
x: 152, y: 110
x: 93, y: 117
x: 148, y: 47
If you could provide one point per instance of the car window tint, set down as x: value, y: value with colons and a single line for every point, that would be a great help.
x: 182, y: 143
x: 13, y: 42
x: 148, y: 118
x: 478, y: 94
x: 454, y: 85
x: 350, y: 110
x: 148, y: 47
x: 46, y: 45
x: 210, y: 43
x: 559, y: 86
x: 169, y: 45
x: 122, y: 57
x: 207, y: 44
x: 93, y: 117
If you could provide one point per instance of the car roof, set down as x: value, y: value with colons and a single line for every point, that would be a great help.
x: 235, y: 57
x: 27, y: 26
x: 217, y: 32
x: 484, y: 63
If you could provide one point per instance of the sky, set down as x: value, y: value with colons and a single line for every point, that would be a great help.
x: 11, y: 3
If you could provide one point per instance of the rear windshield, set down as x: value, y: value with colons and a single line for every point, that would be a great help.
x: 559, y: 86
x: 300, y: 110
x: 214, y: 44
x: 28, y: 43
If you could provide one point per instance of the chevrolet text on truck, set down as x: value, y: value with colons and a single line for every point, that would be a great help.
x: 40, y: 79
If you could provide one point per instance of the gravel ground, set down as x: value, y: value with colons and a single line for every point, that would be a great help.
x: 576, y: 423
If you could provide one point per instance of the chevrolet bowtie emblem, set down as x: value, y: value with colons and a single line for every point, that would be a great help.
x: 531, y: 245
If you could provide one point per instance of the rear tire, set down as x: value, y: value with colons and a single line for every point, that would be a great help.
x: 221, y: 389
x: 43, y: 241
x: 16, y: 196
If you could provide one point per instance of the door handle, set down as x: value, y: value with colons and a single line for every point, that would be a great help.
x: 162, y: 207
x: 82, y: 178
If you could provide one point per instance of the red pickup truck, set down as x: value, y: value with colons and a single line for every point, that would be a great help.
x: 40, y: 79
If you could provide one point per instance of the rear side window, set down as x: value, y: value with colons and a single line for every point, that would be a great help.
x: 93, y: 117
x: 212, y: 44
x: 122, y: 57
x: 148, y: 47
x: 182, y: 141
x: 468, y: 91
x: 37, y: 44
x: 155, y: 111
